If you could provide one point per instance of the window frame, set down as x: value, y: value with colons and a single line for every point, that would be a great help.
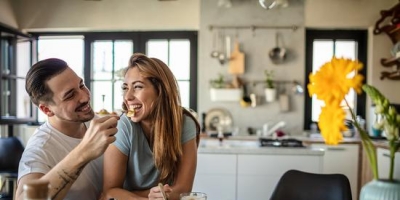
x: 361, y: 37
x: 14, y: 36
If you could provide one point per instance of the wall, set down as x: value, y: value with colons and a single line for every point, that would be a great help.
x: 7, y: 15
x: 72, y: 15
x: 256, y: 47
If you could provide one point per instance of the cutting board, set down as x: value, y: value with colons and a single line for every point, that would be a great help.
x: 236, y: 63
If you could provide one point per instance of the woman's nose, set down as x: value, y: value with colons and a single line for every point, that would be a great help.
x: 129, y: 95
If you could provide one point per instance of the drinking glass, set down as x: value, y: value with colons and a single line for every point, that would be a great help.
x: 193, y: 196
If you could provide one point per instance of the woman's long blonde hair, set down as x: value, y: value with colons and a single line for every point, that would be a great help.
x: 167, y: 114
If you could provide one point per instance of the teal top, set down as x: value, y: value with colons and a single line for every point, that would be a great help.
x: 141, y: 173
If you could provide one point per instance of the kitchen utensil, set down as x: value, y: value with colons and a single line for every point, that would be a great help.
x: 278, y: 53
x: 236, y: 64
x: 283, y: 100
x: 218, y: 117
x: 270, y: 4
x: 246, y: 100
x: 221, y: 56
x: 215, y: 52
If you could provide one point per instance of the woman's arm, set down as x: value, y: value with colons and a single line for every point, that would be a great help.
x: 115, y: 163
x: 186, y: 171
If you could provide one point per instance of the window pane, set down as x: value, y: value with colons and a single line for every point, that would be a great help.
x: 100, y: 88
x: 158, y: 49
x: 118, y: 98
x: 102, y: 60
x: 68, y: 48
x: 346, y: 49
x: 123, y: 51
x: 23, y: 58
x: 180, y: 59
x: 184, y: 92
x: 23, y: 101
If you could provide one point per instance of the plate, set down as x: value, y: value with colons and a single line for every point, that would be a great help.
x: 218, y: 117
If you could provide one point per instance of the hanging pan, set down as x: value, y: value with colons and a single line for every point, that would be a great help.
x: 277, y: 54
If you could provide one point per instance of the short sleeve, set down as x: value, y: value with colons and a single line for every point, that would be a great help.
x: 124, y: 135
x: 189, y: 129
x: 33, y: 160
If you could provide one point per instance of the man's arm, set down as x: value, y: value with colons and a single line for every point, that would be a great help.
x: 61, y: 177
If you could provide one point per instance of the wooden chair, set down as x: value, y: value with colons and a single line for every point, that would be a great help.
x: 298, y: 185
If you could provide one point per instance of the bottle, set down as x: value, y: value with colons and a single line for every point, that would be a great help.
x: 36, y: 190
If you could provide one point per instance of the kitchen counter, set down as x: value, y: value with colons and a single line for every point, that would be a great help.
x: 234, y: 146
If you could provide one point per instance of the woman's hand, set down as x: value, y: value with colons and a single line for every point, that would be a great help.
x: 155, y: 192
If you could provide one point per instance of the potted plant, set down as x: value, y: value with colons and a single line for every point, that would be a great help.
x: 330, y: 84
x: 270, y: 90
x: 220, y: 91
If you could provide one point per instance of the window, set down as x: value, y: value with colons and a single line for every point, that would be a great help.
x: 110, y: 52
x: 15, y: 60
x: 99, y: 57
x: 321, y: 46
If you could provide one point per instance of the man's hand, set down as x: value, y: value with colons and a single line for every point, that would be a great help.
x: 98, y: 136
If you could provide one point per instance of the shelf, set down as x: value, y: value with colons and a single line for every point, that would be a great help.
x: 253, y: 27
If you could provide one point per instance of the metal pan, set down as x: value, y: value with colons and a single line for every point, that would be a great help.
x: 277, y: 54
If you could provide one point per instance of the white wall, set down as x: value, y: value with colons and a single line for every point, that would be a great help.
x: 256, y: 47
x: 7, y: 15
x: 107, y: 15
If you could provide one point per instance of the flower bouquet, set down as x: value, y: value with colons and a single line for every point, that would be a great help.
x: 330, y: 84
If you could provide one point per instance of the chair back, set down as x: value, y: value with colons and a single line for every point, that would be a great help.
x: 298, y: 185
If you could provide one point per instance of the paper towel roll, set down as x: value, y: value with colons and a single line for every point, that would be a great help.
x: 284, y: 102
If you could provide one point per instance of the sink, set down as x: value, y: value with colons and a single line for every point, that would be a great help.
x: 229, y: 144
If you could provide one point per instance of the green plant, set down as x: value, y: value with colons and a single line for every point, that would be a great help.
x: 218, y: 82
x: 269, y: 74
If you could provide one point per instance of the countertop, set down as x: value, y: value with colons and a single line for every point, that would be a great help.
x: 250, y: 145
x: 278, y: 150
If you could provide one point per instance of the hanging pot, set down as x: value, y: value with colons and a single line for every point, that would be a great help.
x: 278, y: 53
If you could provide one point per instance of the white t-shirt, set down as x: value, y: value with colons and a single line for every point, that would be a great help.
x: 46, y: 148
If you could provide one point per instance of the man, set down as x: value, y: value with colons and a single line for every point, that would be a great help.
x: 66, y: 150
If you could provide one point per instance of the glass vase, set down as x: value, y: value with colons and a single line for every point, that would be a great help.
x: 381, y: 190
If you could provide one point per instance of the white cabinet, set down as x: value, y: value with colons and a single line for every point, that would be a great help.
x: 216, y: 176
x: 384, y: 162
x: 259, y: 174
x: 342, y: 159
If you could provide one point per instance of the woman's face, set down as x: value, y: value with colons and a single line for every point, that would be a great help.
x: 139, y: 94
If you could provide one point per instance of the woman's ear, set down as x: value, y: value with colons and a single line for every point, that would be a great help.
x: 46, y: 110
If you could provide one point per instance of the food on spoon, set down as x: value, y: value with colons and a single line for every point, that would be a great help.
x: 131, y: 112
x: 103, y: 112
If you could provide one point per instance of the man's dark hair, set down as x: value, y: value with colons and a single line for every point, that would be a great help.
x: 37, y: 77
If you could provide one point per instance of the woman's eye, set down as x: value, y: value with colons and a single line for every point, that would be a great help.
x: 138, y: 87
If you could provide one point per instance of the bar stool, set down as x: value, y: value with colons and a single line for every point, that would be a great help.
x: 11, y: 150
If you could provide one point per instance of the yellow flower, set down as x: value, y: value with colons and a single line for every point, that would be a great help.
x: 330, y: 84
x: 334, y: 79
x: 331, y: 123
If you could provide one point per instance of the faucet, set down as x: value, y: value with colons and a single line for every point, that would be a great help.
x: 269, y: 131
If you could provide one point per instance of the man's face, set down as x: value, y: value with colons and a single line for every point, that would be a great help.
x: 71, y: 98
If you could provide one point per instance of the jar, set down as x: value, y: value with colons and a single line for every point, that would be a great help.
x: 37, y: 190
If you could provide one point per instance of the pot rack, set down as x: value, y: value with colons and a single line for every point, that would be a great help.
x: 252, y: 27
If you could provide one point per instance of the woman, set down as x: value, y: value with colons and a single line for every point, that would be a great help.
x: 157, y: 143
